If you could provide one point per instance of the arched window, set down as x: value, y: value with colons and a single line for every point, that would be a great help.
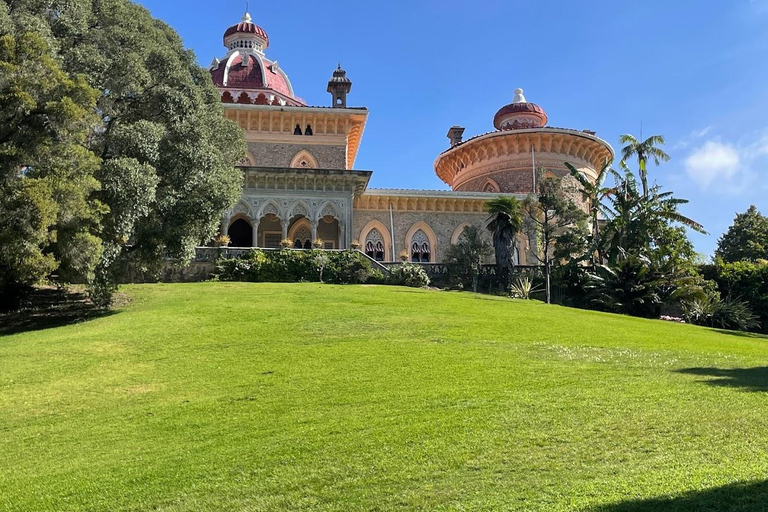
x: 297, y: 130
x: 308, y: 131
x: 420, y: 248
x: 491, y: 186
x: 374, y: 245
x: 302, y: 239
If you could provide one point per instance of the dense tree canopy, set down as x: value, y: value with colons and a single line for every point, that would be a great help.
x: 167, y: 153
x: 746, y: 239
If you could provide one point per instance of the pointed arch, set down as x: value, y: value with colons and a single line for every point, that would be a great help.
x: 385, y: 233
x: 491, y: 186
x: 327, y: 208
x: 304, y: 160
x: 299, y: 208
x: 458, y: 232
x: 269, y: 207
x: 423, y: 227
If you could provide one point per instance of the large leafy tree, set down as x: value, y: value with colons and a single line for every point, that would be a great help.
x: 504, y: 223
x: 549, y: 215
x: 168, y: 154
x: 645, y: 150
x: 48, y: 214
x: 746, y: 239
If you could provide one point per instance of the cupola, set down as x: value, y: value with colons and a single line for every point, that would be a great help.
x: 520, y: 114
x: 246, y: 35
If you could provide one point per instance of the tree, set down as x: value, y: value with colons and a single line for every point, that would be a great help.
x: 746, y: 239
x: 167, y: 152
x: 504, y: 222
x: 594, y: 193
x: 548, y: 216
x: 466, y: 256
x: 644, y: 150
x: 49, y: 219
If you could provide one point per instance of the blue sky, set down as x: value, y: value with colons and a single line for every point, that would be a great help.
x: 693, y: 71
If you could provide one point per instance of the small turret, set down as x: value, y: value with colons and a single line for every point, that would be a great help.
x: 339, y: 86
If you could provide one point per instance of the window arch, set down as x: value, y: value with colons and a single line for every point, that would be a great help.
x: 421, y: 249
x: 374, y: 245
x: 385, y: 238
x: 421, y: 243
x: 491, y: 186
x: 459, y: 232
x: 304, y: 160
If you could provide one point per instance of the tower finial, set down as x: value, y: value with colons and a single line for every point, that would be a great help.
x: 247, y: 15
x: 519, y: 98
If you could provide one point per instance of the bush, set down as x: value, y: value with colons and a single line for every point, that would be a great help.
x: 727, y: 313
x: 289, y: 266
x: 746, y: 280
x: 408, y: 274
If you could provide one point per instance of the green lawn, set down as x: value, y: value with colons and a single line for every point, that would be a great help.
x: 209, y: 397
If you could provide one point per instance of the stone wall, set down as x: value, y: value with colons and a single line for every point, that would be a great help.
x: 280, y: 155
x: 442, y: 224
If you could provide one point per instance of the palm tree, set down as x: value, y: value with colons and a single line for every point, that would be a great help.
x: 504, y: 223
x: 643, y: 151
x: 594, y: 193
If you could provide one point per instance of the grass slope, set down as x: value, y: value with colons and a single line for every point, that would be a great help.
x: 235, y: 396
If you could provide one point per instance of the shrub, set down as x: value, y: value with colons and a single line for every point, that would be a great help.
x: 523, y: 288
x: 746, y: 280
x: 714, y: 311
x: 408, y: 274
x: 289, y: 266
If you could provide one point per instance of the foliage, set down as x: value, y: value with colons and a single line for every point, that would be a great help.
x: 290, y: 266
x: 465, y: 258
x: 523, y: 287
x: 49, y: 220
x: 504, y: 222
x: 548, y: 216
x: 726, y: 313
x: 746, y: 239
x: 593, y: 193
x: 743, y: 279
x: 408, y: 274
x: 167, y: 153
x: 645, y: 150
x: 638, y: 285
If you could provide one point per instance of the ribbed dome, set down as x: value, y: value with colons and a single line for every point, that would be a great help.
x: 246, y: 30
x: 520, y: 114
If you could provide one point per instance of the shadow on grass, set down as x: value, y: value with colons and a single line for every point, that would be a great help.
x: 742, y: 334
x: 47, y: 308
x: 740, y: 497
x: 749, y: 379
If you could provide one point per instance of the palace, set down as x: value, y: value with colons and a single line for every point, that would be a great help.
x: 300, y: 178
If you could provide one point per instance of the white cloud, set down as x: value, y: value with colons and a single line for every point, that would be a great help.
x: 714, y: 160
x: 732, y: 167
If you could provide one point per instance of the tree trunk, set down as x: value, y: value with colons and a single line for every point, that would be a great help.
x: 546, y: 272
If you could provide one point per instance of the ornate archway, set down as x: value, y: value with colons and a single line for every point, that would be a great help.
x: 385, y: 234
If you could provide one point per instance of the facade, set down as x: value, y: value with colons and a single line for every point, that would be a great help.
x: 300, y: 178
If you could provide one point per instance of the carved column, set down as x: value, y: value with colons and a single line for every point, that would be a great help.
x: 284, y: 225
x: 225, y: 225
x: 255, y: 224
x: 313, y: 226
x: 343, y: 244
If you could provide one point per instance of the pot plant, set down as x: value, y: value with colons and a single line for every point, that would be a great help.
x: 404, y: 255
x: 286, y: 243
x: 221, y: 241
x: 355, y: 245
x: 317, y: 243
